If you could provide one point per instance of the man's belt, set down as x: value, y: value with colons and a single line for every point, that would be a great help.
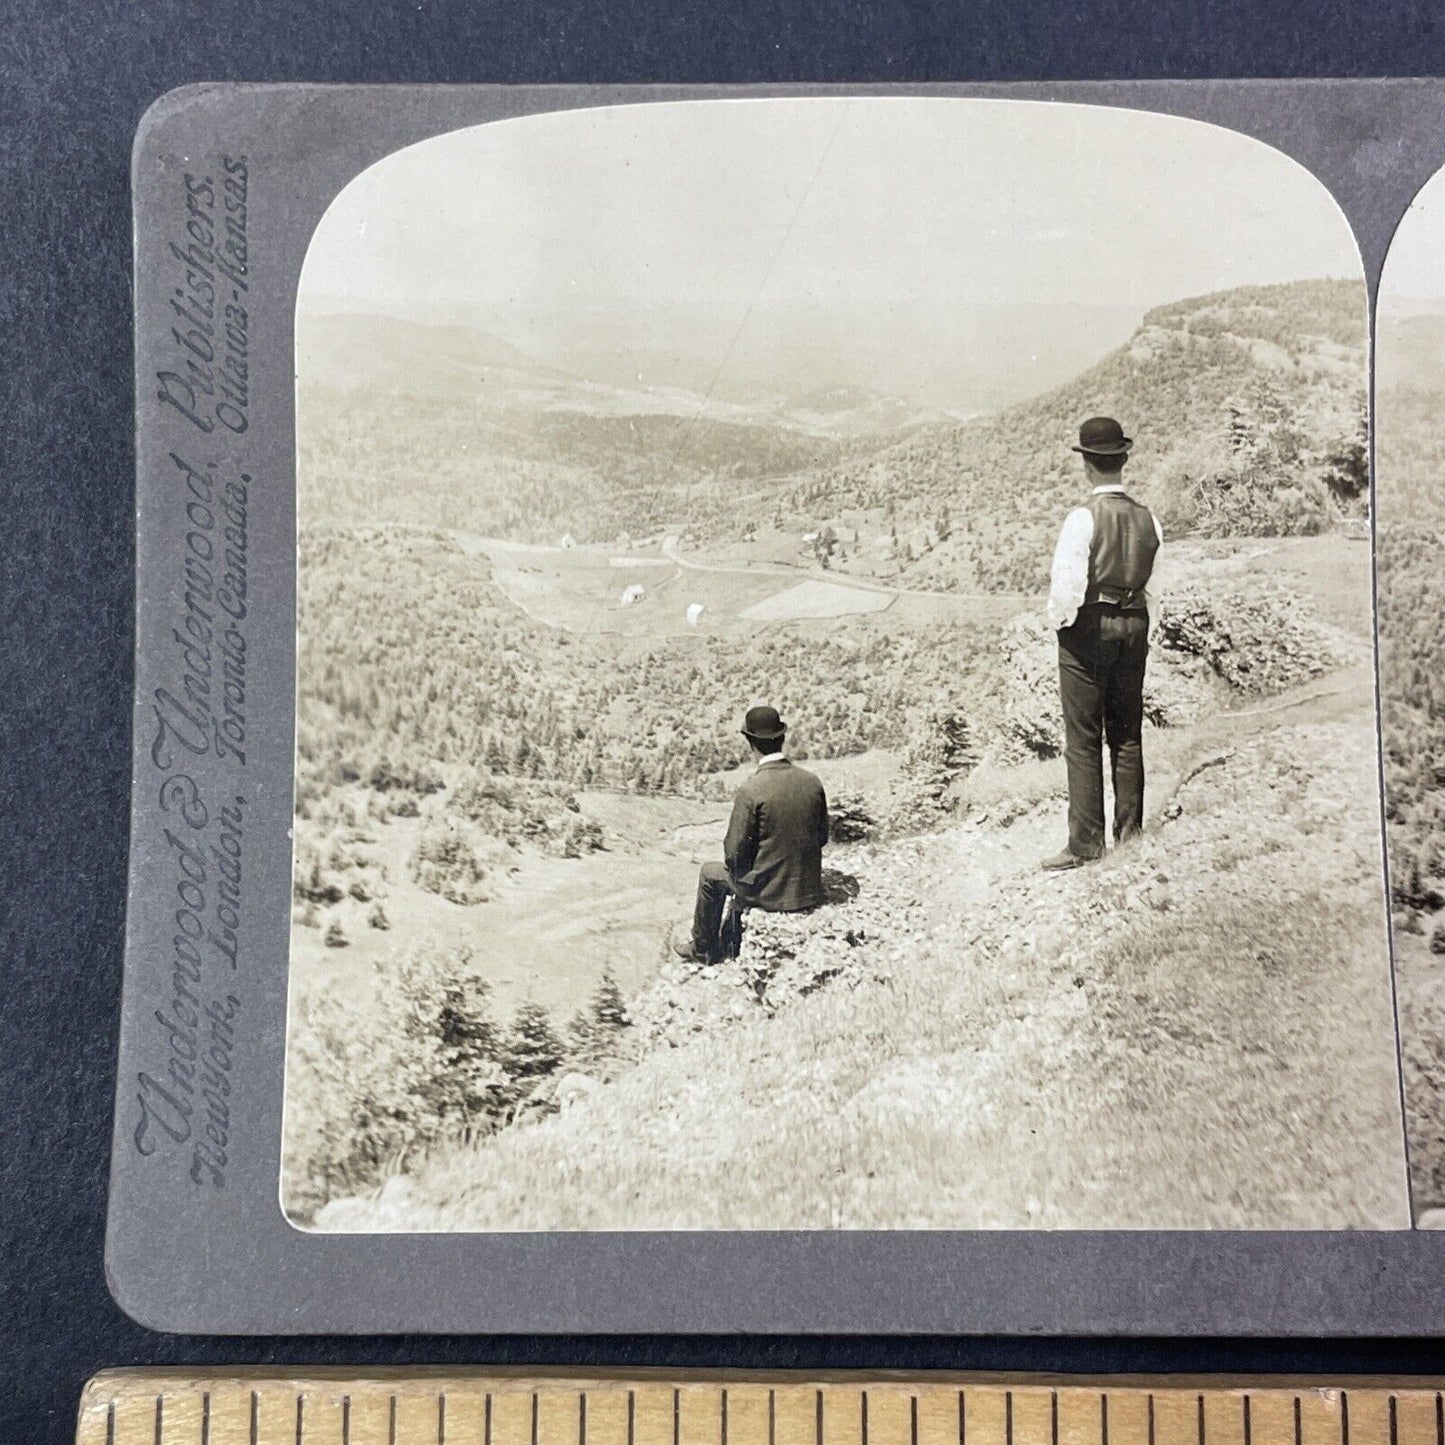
x: 1129, y: 598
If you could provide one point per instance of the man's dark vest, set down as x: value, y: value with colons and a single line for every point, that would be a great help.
x: 1121, y: 554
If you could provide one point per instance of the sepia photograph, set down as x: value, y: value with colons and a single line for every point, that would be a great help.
x: 836, y: 682
x: 1410, y: 547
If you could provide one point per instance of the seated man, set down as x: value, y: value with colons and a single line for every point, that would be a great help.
x: 774, y: 847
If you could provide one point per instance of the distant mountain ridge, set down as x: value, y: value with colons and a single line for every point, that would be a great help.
x: 1199, y: 382
x: 921, y: 364
x: 382, y: 355
x: 457, y: 427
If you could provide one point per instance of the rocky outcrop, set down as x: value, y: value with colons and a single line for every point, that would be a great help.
x: 1247, y: 640
x: 783, y: 957
x: 1259, y: 642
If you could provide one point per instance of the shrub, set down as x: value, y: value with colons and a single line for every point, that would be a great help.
x: 941, y: 750
x: 1347, y: 470
x: 1437, y: 939
x: 310, y: 884
x: 528, y: 811
x: 444, y: 863
x: 533, y: 1048
x: 449, y: 1021
x: 377, y: 917
x: 851, y: 818
x: 387, y: 777
x: 598, y: 1032
x: 1260, y: 640
x: 361, y: 1102
x: 577, y: 836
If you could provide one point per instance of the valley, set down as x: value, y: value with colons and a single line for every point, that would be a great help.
x: 531, y: 612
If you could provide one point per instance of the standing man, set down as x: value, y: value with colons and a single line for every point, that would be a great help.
x: 1101, y: 606
x: 773, y: 852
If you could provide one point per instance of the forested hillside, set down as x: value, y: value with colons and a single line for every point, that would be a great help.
x: 1247, y: 408
x: 417, y: 677
x: 1411, y: 553
x: 1248, y: 414
x: 450, y: 461
x: 408, y: 651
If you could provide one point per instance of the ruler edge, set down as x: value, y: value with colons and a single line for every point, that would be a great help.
x: 108, y: 1384
x: 110, y: 1387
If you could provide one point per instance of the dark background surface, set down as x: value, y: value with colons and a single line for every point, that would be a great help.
x: 74, y: 79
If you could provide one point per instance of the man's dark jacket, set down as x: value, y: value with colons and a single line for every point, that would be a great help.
x: 775, y: 839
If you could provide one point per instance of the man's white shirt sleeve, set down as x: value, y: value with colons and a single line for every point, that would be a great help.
x: 1152, y: 594
x: 1069, y: 578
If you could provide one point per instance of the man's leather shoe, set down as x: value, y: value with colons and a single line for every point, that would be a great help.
x: 688, y: 953
x: 1061, y: 861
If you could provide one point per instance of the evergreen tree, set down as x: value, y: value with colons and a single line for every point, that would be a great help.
x: 609, y: 1008
x: 533, y: 1050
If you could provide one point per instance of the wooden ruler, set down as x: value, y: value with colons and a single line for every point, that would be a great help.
x: 415, y: 1407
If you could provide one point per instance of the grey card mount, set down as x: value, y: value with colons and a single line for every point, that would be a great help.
x: 637, y: 589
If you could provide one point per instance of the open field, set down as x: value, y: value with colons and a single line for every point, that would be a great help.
x: 815, y: 599
x: 582, y: 589
x: 550, y: 926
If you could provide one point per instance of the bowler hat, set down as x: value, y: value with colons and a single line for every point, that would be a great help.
x: 764, y: 724
x: 1102, y: 436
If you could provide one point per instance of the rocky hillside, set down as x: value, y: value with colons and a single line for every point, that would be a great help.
x: 1247, y: 409
x: 1196, y: 1033
x: 1112, y: 1047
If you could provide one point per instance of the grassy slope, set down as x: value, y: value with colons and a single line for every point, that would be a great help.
x: 1210, y: 1041
x: 1120, y: 1047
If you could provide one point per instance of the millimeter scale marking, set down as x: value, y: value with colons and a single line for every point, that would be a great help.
x: 434, y: 1407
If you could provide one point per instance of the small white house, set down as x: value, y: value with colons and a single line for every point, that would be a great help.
x: 632, y: 593
x: 694, y: 613
x: 568, y: 543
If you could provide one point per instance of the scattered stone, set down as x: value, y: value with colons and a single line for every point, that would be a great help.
x: 854, y: 938
x: 572, y: 1087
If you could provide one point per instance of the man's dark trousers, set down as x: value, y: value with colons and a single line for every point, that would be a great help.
x: 1101, y: 678
x: 714, y: 887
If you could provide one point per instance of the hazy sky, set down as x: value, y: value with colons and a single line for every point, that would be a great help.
x: 730, y: 207
x: 1414, y: 274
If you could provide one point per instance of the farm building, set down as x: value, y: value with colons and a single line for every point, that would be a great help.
x: 632, y: 593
